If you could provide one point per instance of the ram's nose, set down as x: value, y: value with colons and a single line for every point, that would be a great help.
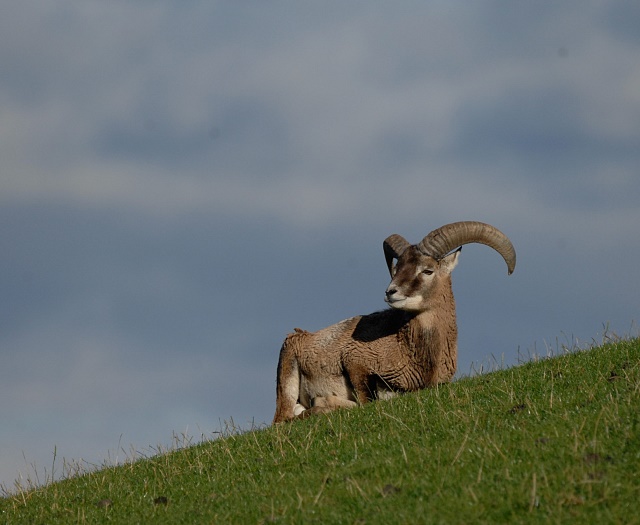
x: 388, y: 295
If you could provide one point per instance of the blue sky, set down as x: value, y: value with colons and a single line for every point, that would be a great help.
x: 183, y: 183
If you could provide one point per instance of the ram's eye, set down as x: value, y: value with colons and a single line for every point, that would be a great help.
x: 427, y: 271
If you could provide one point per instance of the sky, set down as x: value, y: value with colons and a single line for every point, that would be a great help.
x: 184, y: 182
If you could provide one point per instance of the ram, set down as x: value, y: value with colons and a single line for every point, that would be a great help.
x: 408, y: 347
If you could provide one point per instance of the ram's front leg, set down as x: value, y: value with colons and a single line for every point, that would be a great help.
x: 362, y: 381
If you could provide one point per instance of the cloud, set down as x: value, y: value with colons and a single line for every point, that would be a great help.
x: 208, y: 121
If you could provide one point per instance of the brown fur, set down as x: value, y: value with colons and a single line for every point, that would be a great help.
x: 362, y: 358
x: 412, y: 346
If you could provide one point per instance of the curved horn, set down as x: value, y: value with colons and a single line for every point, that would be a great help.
x: 393, y: 247
x: 441, y: 241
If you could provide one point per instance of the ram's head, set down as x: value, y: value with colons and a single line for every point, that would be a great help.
x: 418, y: 271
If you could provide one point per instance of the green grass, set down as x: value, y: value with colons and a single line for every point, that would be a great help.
x: 552, y: 441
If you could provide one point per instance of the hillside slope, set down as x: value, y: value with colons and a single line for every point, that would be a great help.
x: 550, y: 441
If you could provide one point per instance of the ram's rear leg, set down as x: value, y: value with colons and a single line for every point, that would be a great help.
x: 288, y: 384
x: 324, y: 405
x: 333, y: 402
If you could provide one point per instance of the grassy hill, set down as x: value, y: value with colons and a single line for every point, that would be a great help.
x: 552, y: 441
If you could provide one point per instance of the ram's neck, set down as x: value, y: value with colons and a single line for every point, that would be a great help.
x: 433, y: 337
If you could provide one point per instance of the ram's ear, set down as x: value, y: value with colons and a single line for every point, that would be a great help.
x: 393, y: 247
x: 449, y: 262
x: 391, y: 265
